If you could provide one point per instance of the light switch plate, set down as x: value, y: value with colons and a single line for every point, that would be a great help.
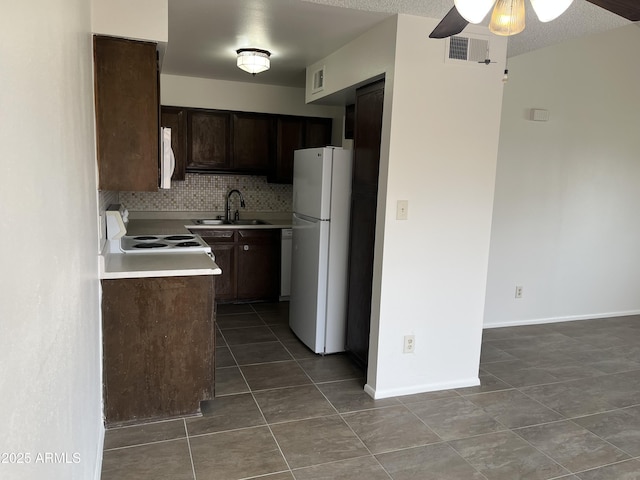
x: 402, y: 210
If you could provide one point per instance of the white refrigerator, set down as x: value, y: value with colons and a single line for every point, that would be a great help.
x: 320, y: 247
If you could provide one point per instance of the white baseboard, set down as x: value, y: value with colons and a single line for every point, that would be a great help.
x: 424, y: 388
x: 568, y: 318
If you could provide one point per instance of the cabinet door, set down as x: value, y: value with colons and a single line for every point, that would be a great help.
x: 258, y: 264
x: 175, y: 119
x: 223, y: 247
x: 158, y: 346
x: 226, y: 282
x: 208, y: 135
x: 317, y: 132
x: 251, y: 142
x: 127, y: 108
x: 289, y: 138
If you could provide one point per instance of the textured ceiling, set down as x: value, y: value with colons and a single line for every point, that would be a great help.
x: 204, y: 34
x: 582, y: 18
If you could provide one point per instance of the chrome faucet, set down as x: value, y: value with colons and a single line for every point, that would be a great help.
x: 228, y: 207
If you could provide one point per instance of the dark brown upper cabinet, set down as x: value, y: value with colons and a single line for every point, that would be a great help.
x: 208, y: 137
x: 246, y: 143
x: 317, y: 132
x: 176, y: 119
x: 289, y: 137
x: 127, y: 96
x: 294, y: 133
x: 252, y: 140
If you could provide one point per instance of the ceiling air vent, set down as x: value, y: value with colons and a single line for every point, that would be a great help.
x: 467, y: 49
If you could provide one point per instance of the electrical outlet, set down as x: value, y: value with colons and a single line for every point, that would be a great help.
x: 409, y: 343
x: 402, y: 210
x: 518, y: 291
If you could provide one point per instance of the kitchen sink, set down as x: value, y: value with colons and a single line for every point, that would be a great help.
x: 221, y: 221
x: 212, y: 221
x: 249, y: 222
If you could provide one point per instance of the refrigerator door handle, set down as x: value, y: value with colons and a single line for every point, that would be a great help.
x: 305, y: 218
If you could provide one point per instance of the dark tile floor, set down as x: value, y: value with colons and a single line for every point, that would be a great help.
x: 557, y: 401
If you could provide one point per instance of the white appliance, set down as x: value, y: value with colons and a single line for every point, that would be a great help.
x: 319, y: 262
x: 120, y: 242
x: 179, y: 243
x: 167, y: 159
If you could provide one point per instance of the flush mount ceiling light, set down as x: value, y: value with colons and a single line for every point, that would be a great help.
x: 508, y: 16
x: 253, y: 60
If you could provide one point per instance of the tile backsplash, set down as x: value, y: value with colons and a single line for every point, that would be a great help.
x: 208, y: 193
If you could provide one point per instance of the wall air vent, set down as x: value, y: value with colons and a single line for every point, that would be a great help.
x: 317, y: 80
x: 467, y: 49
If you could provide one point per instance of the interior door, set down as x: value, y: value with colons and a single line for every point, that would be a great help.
x: 364, y: 194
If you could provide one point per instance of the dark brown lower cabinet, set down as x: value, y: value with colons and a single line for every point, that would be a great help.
x: 158, y: 347
x: 258, y: 265
x: 223, y: 246
x: 250, y: 263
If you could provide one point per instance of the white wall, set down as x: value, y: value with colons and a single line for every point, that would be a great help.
x: 49, y: 343
x: 367, y: 56
x: 565, y: 222
x: 442, y: 157
x: 243, y: 96
x: 142, y: 19
x: 439, y: 151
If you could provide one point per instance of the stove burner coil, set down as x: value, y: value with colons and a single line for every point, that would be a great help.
x: 187, y: 244
x: 150, y: 245
x: 145, y: 238
x: 177, y: 238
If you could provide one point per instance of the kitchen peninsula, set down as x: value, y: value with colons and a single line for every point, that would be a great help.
x: 159, y: 319
x: 158, y: 330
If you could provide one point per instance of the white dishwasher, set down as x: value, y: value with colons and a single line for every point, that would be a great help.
x: 285, y: 263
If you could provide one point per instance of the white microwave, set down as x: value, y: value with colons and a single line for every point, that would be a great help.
x: 167, y: 159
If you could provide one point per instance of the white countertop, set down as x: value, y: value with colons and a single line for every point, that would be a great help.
x: 172, y: 223
x: 122, y: 265
x: 149, y: 226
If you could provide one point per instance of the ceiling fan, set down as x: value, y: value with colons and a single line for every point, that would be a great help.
x: 508, y: 15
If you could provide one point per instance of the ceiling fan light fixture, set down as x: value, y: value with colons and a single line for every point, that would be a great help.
x: 473, y: 11
x: 253, y: 60
x: 508, y: 17
x: 548, y: 10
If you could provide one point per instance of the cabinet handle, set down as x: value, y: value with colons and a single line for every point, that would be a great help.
x: 245, y: 247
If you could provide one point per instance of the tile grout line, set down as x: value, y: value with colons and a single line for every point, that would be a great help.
x: 572, y: 420
x: 262, y: 413
x: 143, y: 444
x: 339, y: 414
x: 365, y: 446
x: 186, y: 432
x: 313, y: 382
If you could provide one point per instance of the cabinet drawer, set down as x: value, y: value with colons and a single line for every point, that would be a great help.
x: 217, y: 236
x: 259, y: 236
